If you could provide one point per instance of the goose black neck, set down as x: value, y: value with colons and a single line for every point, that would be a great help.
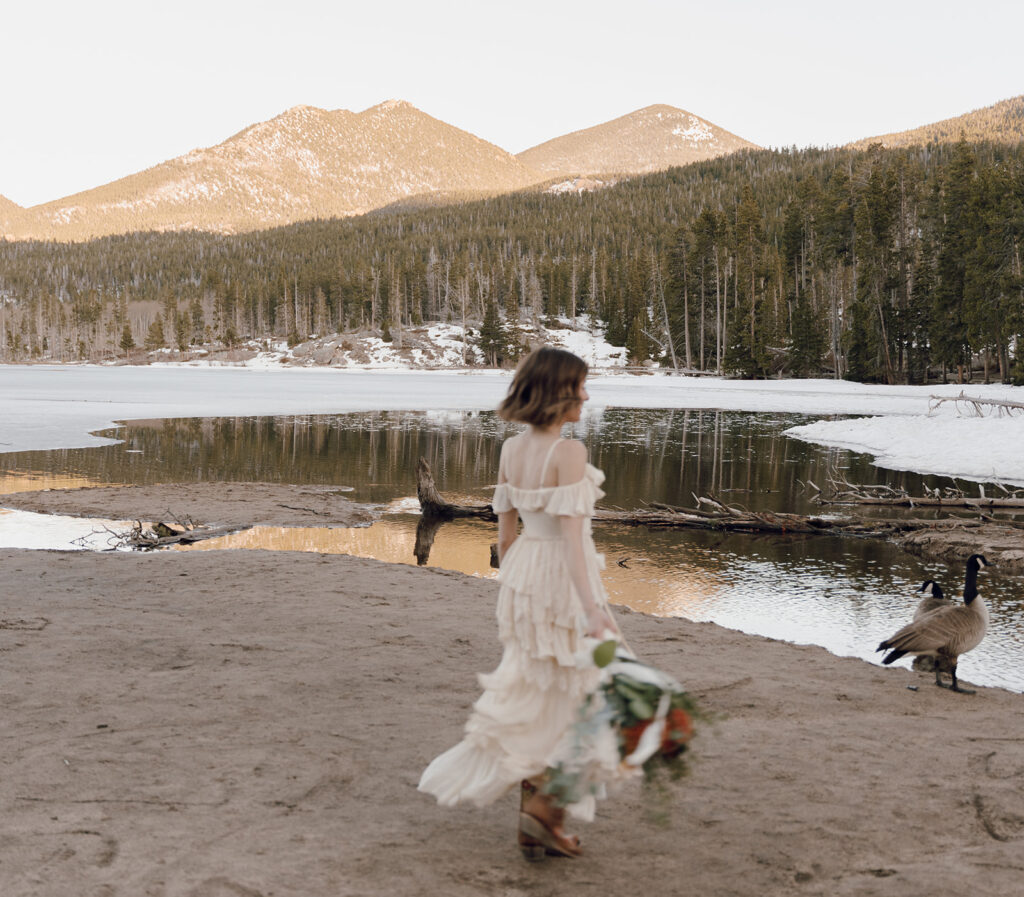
x: 971, y: 580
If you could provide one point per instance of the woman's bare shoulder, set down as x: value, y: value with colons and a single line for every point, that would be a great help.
x: 572, y: 461
x: 510, y: 443
x: 508, y: 451
x: 572, y: 450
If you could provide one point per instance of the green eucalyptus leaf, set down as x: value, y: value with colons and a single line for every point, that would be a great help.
x: 641, y: 709
x: 604, y: 653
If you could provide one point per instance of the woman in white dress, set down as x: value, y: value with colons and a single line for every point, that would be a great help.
x: 551, y: 598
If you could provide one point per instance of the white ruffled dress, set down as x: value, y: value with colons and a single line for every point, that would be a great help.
x: 519, y: 724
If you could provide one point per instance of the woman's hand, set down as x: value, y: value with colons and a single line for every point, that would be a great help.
x: 599, y: 622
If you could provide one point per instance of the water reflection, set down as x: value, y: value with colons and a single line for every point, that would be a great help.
x: 648, y: 455
x: 464, y: 546
x: 35, y: 480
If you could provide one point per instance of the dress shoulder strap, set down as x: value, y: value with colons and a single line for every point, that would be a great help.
x: 502, y: 476
x: 547, y: 459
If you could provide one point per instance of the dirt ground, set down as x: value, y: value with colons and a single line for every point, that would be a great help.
x: 216, y: 724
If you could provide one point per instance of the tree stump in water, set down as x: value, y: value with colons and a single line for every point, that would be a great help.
x: 435, y: 510
x: 432, y: 505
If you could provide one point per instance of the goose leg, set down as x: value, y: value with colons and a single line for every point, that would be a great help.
x: 938, y: 679
x: 956, y: 685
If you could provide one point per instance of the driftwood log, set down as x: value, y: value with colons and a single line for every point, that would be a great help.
x: 187, y: 537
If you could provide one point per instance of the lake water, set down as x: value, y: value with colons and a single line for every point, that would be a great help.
x: 845, y: 594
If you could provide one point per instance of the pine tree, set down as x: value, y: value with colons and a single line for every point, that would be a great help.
x: 638, y: 347
x: 127, y: 342
x: 950, y: 330
x: 808, y: 344
x: 491, y: 339
x: 155, y: 335
x: 512, y: 332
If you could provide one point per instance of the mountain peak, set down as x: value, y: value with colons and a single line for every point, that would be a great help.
x: 303, y: 109
x: 393, y: 106
x: 662, y: 108
x: 650, y: 139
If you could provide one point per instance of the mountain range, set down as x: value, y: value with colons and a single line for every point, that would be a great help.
x: 311, y: 163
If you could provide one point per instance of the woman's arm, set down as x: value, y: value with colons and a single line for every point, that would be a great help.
x: 598, y: 620
x: 507, y: 520
x: 572, y: 464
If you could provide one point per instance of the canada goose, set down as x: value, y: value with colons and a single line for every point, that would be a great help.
x: 931, y: 601
x: 946, y: 632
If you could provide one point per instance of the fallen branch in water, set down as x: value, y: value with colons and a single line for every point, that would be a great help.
x: 711, y: 514
x: 912, y: 501
x: 843, y: 492
x: 977, y: 404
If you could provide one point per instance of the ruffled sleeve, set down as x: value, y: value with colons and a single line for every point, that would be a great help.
x: 501, y: 502
x: 572, y: 500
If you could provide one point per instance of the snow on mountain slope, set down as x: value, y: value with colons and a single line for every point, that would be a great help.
x: 305, y: 163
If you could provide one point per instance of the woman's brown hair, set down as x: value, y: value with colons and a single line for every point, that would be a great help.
x: 546, y: 384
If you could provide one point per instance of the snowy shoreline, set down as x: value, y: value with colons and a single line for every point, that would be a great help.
x: 45, y: 407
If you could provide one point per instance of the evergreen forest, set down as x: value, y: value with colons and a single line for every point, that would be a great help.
x: 876, y: 265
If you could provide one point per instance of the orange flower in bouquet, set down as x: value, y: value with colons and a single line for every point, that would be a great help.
x: 678, y: 731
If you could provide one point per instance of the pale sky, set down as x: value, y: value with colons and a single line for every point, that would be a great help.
x: 95, y: 91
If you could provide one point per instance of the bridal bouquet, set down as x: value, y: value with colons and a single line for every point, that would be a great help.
x: 638, y: 719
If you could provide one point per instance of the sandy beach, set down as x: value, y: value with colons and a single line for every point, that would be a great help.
x: 216, y: 724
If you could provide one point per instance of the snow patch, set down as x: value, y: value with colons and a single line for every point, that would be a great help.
x: 983, y: 449
x: 697, y: 131
x: 26, y: 529
x: 576, y: 185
